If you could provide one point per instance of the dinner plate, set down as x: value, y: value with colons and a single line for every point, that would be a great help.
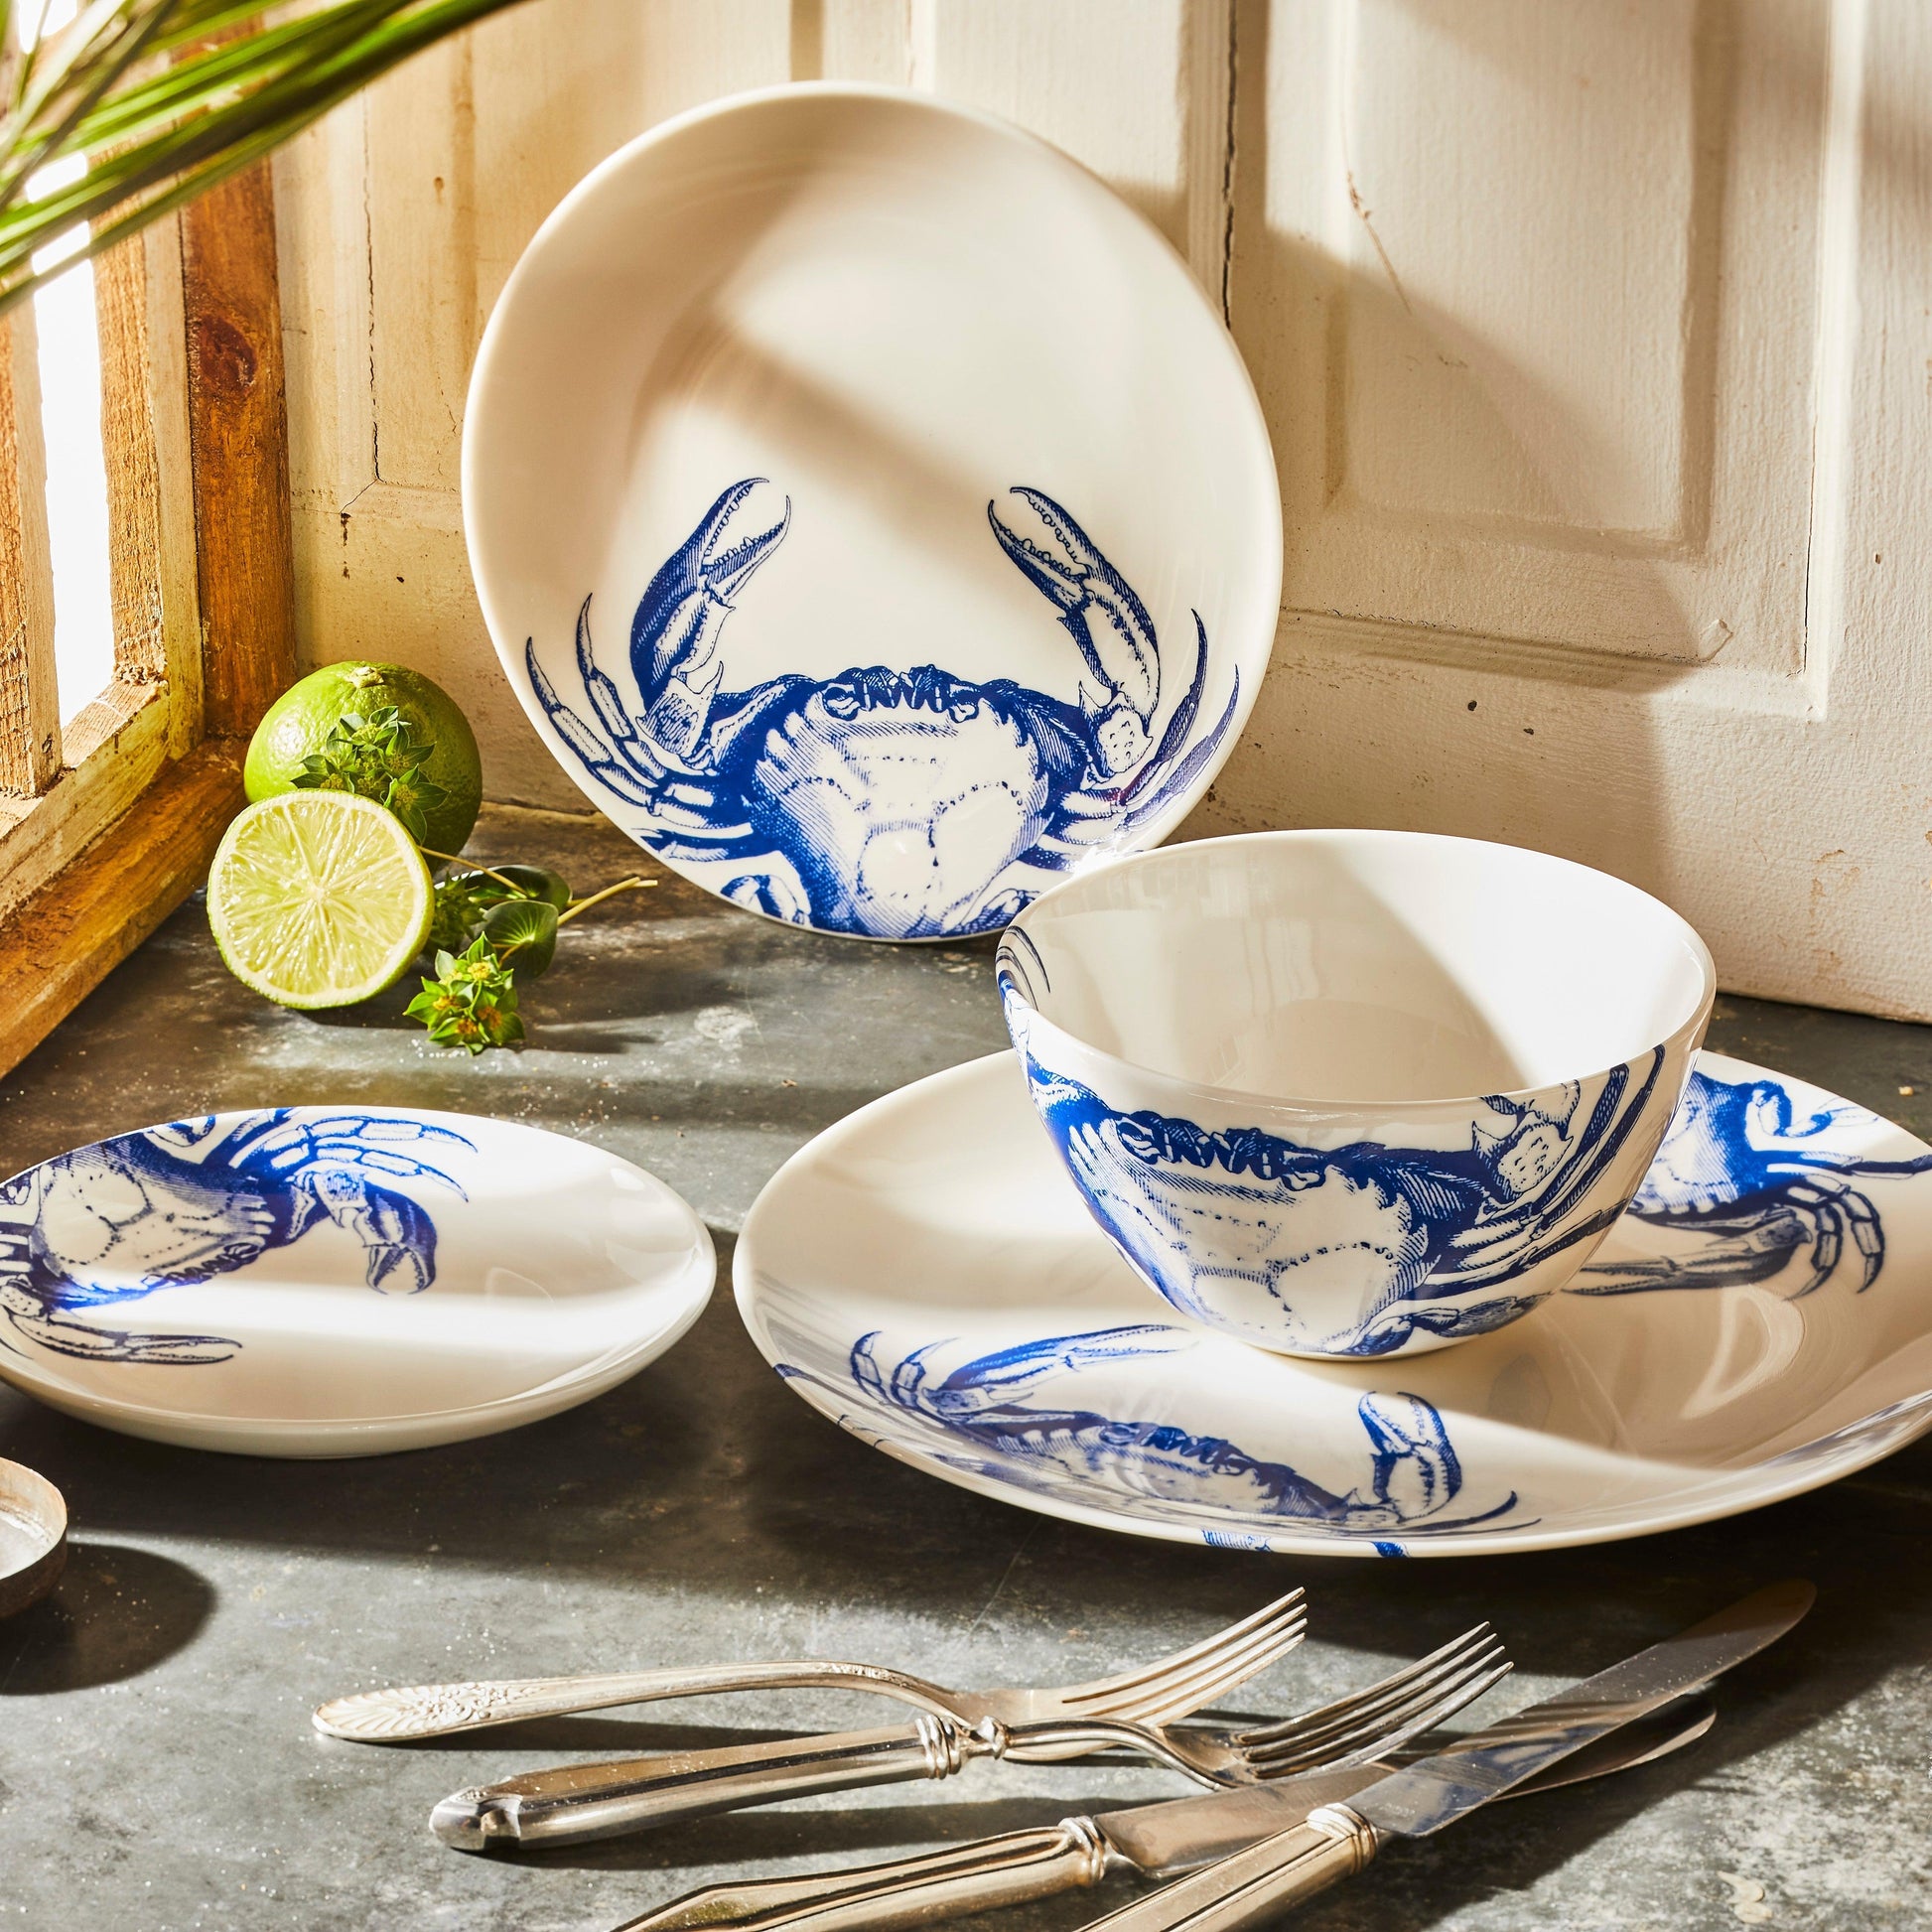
x: 318, y: 1281
x: 873, y: 515
x: 1758, y: 1323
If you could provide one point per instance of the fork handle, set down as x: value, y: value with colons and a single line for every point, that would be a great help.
x: 1255, y: 1887
x: 575, y: 1802
x: 966, y: 1878
x: 414, y: 1710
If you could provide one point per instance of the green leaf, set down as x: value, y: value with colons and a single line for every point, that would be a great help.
x: 158, y: 132
x: 538, y: 881
x: 405, y: 808
x: 522, y: 933
x: 412, y: 799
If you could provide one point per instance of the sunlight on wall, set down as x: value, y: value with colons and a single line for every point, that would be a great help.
x: 76, y: 471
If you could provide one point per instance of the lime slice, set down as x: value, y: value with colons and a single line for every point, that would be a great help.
x: 318, y: 898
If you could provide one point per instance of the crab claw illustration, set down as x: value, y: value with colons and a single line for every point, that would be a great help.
x: 1102, y: 615
x: 396, y: 1235
x: 674, y: 634
x: 85, y: 1343
x: 895, y: 801
x: 1415, y: 1470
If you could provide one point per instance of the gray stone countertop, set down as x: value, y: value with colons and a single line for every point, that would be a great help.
x: 157, y: 1769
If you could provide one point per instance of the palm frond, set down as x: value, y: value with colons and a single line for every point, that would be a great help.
x: 164, y: 99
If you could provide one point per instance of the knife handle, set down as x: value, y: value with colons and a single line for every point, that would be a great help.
x: 575, y: 1802
x: 977, y: 1877
x: 1258, y: 1884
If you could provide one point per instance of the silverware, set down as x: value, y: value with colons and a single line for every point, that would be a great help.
x: 1157, y: 1840
x: 576, y: 1802
x: 1336, y: 1839
x: 1156, y: 1692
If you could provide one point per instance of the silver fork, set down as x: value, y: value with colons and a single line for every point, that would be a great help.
x: 575, y: 1802
x: 1156, y: 1692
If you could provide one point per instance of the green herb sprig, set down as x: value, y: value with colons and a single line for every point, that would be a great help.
x: 377, y: 757
x: 494, y: 930
x: 472, y: 1000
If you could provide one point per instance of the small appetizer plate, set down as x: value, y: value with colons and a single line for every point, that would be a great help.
x: 318, y: 1281
x: 1757, y: 1324
x: 872, y: 513
x: 32, y: 1537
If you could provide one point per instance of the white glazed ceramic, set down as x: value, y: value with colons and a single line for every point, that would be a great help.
x: 874, y: 517
x: 315, y: 1281
x: 1354, y: 1093
x: 1758, y: 1323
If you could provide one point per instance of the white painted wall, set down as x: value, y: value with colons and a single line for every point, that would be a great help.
x: 1594, y: 337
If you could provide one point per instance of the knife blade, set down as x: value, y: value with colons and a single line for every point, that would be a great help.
x: 1337, y: 1839
x: 1157, y: 1839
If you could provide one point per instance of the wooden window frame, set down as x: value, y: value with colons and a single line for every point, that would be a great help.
x: 107, y: 825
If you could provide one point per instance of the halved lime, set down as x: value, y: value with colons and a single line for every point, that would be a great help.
x: 319, y: 898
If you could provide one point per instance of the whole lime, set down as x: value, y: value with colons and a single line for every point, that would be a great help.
x: 299, y: 722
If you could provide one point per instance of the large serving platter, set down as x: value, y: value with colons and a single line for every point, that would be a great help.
x: 873, y: 516
x: 1759, y: 1324
x: 318, y: 1281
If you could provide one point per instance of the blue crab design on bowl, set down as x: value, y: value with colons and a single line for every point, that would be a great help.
x: 180, y: 1204
x: 1741, y: 1169
x: 1427, y: 1236
x: 891, y: 805
x: 1065, y: 1450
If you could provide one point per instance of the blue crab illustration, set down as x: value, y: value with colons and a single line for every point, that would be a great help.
x: 1741, y: 1169
x: 1409, y: 1226
x: 895, y: 804
x: 1412, y: 1473
x: 175, y: 1204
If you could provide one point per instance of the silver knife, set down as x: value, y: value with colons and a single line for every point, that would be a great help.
x: 1337, y: 1839
x: 1155, y: 1840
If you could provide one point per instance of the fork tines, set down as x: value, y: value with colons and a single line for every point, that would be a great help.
x: 1182, y: 1684
x: 1384, y: 1716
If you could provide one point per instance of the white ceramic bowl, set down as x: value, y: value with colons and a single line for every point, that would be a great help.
x: 1354, y: 1093
x: 873, y: 515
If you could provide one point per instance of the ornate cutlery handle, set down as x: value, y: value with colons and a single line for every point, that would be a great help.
x: 1256, y: 1885
x: 436, y: 1709
x: 581, y: 1801
x: 977, y: 1877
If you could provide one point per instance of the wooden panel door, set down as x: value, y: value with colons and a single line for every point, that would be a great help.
x: 1595, y: 352
x: 1591, y: 338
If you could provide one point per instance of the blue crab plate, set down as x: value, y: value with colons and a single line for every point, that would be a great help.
x: 1757, y: 1324
x: 337, y: 1280
x: 872, y: 515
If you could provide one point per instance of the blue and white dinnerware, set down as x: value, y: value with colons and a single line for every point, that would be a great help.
x: 339, y: 1280
x: 1356, y: 1094
x: 874, y: 517
x: 1757, y: 1324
